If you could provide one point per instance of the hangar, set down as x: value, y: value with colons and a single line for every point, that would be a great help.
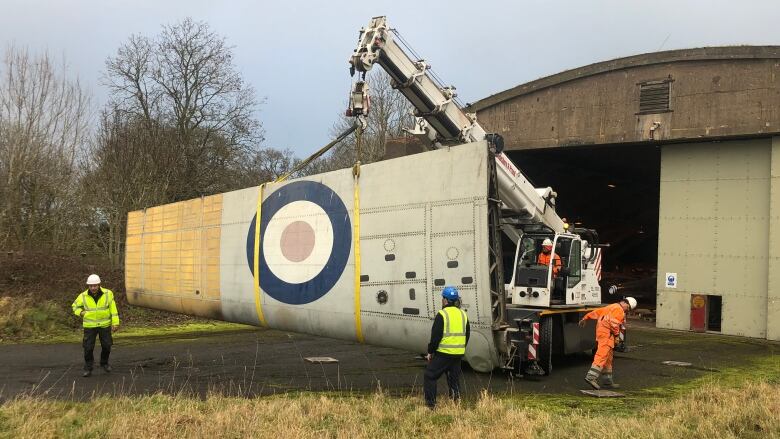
x: 674, y: 157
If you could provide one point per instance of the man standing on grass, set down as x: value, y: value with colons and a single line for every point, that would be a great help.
x: 608, y: 322
x: 449, y: 336
x: 97, y: 308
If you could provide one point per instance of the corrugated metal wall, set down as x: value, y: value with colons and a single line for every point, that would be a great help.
x: 719, y: 232
x: 773, y: 292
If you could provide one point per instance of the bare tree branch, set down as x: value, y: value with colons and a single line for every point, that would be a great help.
x: 43, y: 125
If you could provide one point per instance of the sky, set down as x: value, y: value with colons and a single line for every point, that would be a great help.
x: 294, y: 53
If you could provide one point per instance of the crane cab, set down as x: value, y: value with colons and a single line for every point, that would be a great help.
x: 568, y: 276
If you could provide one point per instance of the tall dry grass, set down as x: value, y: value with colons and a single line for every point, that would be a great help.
x: 709, y: 412
x: 23, y: 317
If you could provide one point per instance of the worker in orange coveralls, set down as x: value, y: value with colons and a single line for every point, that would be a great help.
x: 608, y: 321
x: 546, y: 254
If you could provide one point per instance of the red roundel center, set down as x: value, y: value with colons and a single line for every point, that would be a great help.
x: 297, y: 241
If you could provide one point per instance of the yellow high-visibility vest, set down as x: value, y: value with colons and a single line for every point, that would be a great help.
x: 100, y: 314
x: 453, y: 337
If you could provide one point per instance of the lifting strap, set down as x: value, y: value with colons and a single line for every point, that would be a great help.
x: 258, y: 216
x: 356, y: 233
x: 256, y: 260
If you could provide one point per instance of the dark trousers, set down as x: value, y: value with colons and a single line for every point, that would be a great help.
x: 90, y: 334
x: 442, y: 364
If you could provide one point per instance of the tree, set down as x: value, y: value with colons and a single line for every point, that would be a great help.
x: 122, y: 175
x: 180, y: 124
x: 43, y: 124
x: 267, y: 165
x: 184, y: 81
x: 389, y: 115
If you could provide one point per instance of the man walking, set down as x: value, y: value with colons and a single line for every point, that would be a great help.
x: 449, y: 336
x: 97, y: 308
x: 608, y: 322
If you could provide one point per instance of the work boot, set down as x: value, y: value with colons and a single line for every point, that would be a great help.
x: 86, y: 373
x: 107, y: 368
x: 592, y: 377
x: 608, y: 382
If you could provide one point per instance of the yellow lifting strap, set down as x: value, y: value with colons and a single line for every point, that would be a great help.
x: 356, y: 234
x: 300, y: 166
x: 256, y: 264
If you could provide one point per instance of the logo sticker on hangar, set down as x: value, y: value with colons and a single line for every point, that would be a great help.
x: 306, y: 236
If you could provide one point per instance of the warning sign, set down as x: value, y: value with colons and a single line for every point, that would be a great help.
x: 671, y: 280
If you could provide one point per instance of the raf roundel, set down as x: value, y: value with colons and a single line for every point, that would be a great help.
x: 305, y: 241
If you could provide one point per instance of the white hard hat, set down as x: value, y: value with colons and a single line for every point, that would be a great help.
x: 93, y: 279
x: 631, y: 302
x: 547, y: 241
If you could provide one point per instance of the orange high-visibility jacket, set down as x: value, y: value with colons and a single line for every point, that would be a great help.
x: 544, y: 259
x: 608, y: 320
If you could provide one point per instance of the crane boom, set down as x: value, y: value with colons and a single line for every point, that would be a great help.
x: 442, y: 122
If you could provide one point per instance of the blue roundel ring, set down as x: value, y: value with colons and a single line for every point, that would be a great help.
x: 319, y: 285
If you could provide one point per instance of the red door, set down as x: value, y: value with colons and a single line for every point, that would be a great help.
x: 698, y: 312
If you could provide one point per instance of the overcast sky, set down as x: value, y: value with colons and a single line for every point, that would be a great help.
x: 294, y: 53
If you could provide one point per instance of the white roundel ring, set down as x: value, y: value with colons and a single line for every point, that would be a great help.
x: 297, y: 242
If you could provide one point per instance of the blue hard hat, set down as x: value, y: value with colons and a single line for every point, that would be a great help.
x: 450, y: 293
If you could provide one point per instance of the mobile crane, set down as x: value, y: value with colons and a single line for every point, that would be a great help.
x: 543, y: 302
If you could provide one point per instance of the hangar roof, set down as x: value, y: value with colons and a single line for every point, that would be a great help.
x: 645, y: 59
x: 672, y: 96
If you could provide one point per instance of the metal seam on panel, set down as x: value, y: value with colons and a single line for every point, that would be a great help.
x: 477, y: 318
x: 356, y: 225
x: 380, y: 283
x: 256, y: 261
x: 415, y: 281
x: 393, y: 316
x: 453, y: 233
x: 143, y: 252
x: 431, y: 302
x: 178, y: 296
x: 202, y: 237
x: 420, y: 205
x: 393, y: 235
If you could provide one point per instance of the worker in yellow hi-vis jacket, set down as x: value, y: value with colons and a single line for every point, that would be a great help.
x: 97, y: 307
x: 449, y: 336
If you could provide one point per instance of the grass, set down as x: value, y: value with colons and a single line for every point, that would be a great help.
x: 760, y: 369
x: 136, y: 333
x: 23, y: 320
x: 736, y: 402
x: 710, y: 411
x: 211, y: 326
x: 23, y: 317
